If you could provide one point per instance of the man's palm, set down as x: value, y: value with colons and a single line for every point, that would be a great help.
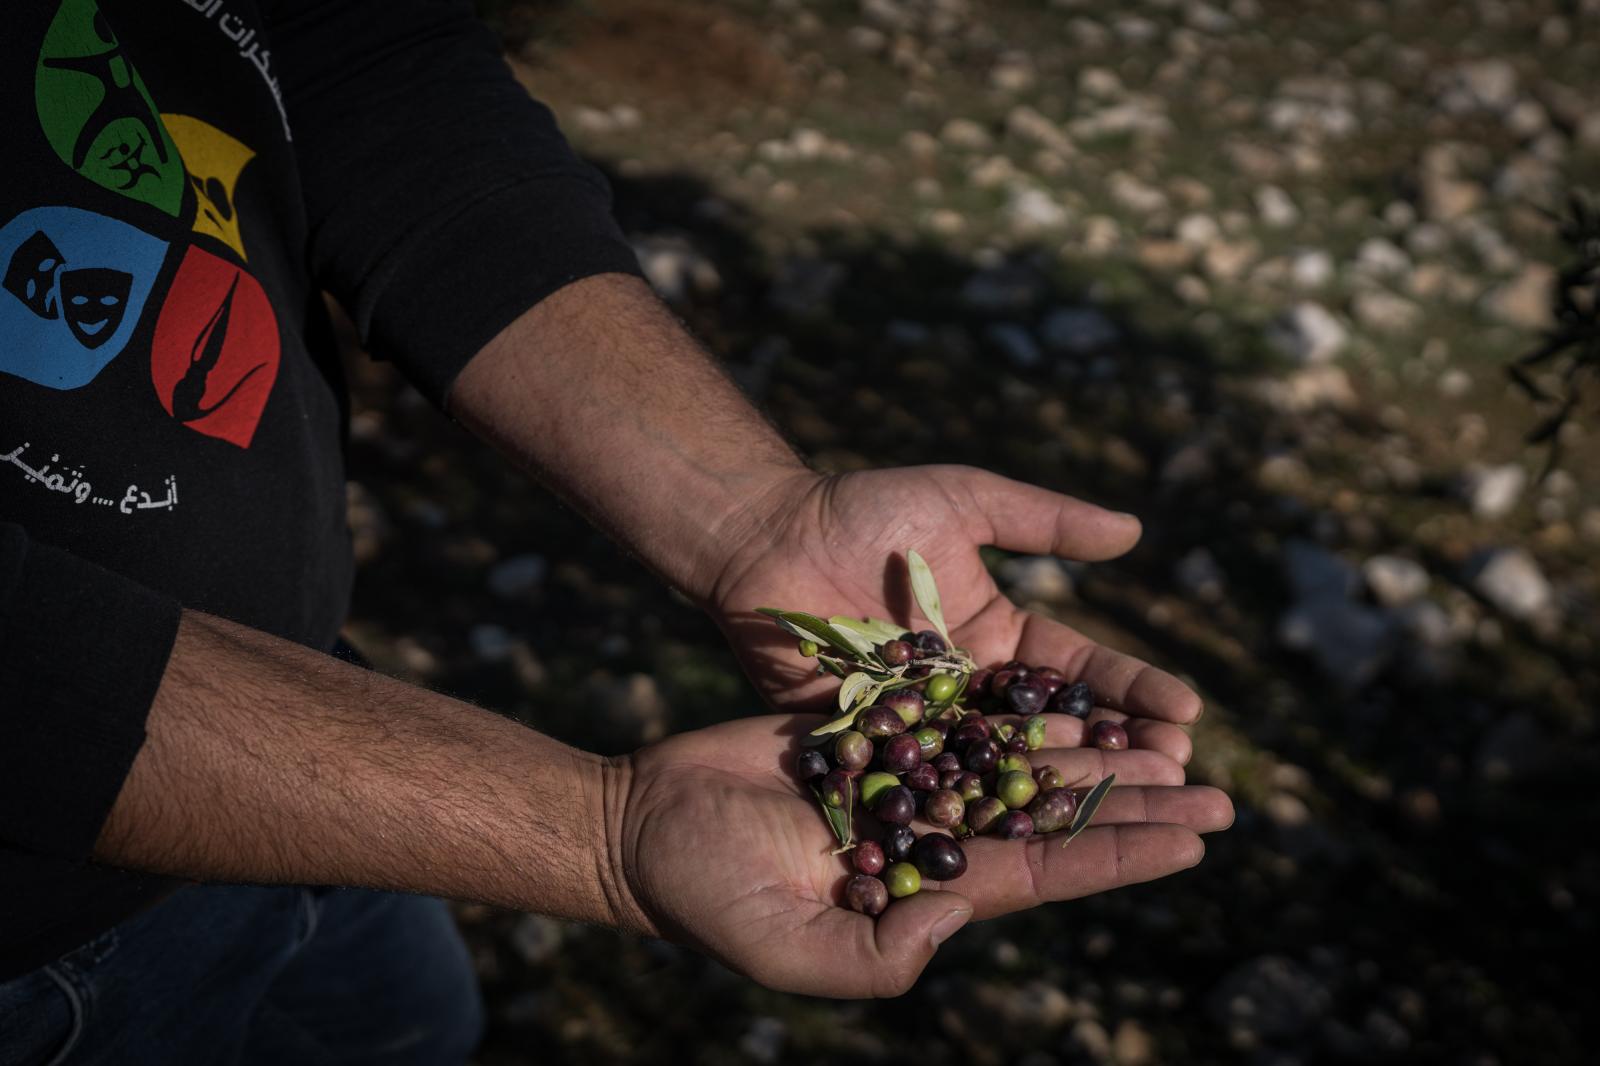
x: 840, y: 551
x: 726, y: 851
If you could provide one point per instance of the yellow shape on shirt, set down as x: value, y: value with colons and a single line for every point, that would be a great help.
x: 214, y: 161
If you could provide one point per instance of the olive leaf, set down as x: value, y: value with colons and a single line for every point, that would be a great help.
x: 1086, y: 809
x: 836, y: 725
x: 927, y: 593
x: 839, y: 819
x: 874, y: 629
x: 854, y: 686
x: 810, y: 627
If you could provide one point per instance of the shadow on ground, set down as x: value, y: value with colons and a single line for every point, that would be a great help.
x: 1408, y: 878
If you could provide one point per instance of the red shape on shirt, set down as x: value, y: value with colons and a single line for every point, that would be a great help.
x: 215, y: 354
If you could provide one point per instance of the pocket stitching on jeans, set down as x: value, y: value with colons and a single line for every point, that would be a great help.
x: 76, y: 991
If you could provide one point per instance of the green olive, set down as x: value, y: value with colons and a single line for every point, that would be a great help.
x: 808, y: 648
x: 903, y: 880
x: 874, y: 785
x: 941, y: 687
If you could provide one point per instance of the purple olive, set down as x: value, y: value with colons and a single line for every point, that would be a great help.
x: 921, y: 778
x: 896, y: 806
x: 837, y: 787
x: 1004, y: 678
x: 1025, y: 697
x: 951, y: 778
x: 970, y: 733
x: 907, y: 704
x: 944, y: 808
x: 866, y: 895
x: 852, y: 750
x: 1053, y: 809
x: 930, y: 743
x: 969, y: 787
x: 1108, y: 735
x: 1014, y: 825
x: 812, y: 765
x: 930, y: 643
x: 867, y: 856
x: 1049, y: 777
x: 901, y: 753
x: 896, y: 652
x: 981, y: 756
x: 984, y: 814
x: 897, y: 841
x: 1017, y: 745
x: 947, y: 762
x: 879, y: 721
x: 978, y: 684
x: 1076, y: 700
x: 938, y: 857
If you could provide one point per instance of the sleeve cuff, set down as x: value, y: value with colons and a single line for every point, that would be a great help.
x: 474, y: 273
x: 82, y: 652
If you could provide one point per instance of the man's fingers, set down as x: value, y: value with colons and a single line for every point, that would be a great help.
x: 1011, y: 875
x: 1084, y: 767
x: 1025, y: 518
x: 846, y: 955
x: 1119, y: 681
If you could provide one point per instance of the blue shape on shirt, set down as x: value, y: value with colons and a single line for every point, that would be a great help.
x: 72, y: 286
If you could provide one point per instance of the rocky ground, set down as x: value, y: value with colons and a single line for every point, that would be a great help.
x: 1250, y: 269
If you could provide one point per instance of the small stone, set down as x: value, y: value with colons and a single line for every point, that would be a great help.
x: 1077, y: 330
x: 1384, y: 312
x: 1025, y: 123
x: 1276, y: 207
x: 1511, y: 580
x: 1307, y: 333
x: 536, y: 939
x: 1036, y: 578
x: 1524, y: 301
x: 1395, y: 581
x: 1001, y: 289
x: 1198, y: 574
x: 1197, y: 230
x: 966, y: 135
x: 1015, y: 343
x: 517, y: 576
x: 489, y: 642
x: 1132, y: 1045
x: 1493, y: 491
x: 1381, y: 258
x: 1031, y: 210
x: 1271, y: 998
x: 764, y: 1040
x: 1350, y: 642
x: 1311, y: 269
x: 1315, y: 573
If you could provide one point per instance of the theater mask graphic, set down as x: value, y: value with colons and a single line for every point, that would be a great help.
x: 214, y: 356
x: 72, y: 286
x: 214, y: 162
x: 97, y: 114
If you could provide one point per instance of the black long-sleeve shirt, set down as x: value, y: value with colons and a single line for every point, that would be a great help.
x: 183, y: 178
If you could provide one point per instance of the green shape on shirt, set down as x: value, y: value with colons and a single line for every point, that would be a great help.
x: 97, y: 114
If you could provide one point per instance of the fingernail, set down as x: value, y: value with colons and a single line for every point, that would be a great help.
x: 946, y: 927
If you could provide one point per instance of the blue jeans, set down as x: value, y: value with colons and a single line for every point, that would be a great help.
x: 222, y: 974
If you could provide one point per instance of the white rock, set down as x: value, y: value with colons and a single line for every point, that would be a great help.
x: 1525, y: 300
x: 1481, y: 85
x: 1393, y: 580
x: 515, y: 577
x: 1384, y: 312
x: 1041, y: 578
x: 1031, y: 210
x: 1492, y: 491
x: 1029, y: 125
x: 1077, y: 330
x: 1135, y: 195
x: 1350, y: 642
x: 676, y: 269
x: 1015, y: 343
x: 1307, y: 333
x: 965, y: 134
x: 1511, y: 580
x: 1270, y: 998
x: 536, y: 938
x: 1100, y: 83
x: 763, y: 1042
x: 1381, y: 258
x: 1197, y: 230
x: 1311, y: 269
x: 1198, y: 574
x: 491, y: 643
x: 1276, y: 207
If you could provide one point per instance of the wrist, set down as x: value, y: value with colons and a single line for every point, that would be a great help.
x: 757, y: 513
x: 608, y: 792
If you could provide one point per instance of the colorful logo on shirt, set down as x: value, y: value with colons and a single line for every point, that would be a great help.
x: 74, y: 283
x: 214, y: 161
x: 214, y: 357
x: 98, y: 116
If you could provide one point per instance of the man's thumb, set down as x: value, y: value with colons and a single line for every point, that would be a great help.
x: 910, y: 931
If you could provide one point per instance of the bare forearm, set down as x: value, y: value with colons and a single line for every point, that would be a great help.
x: 601, y: 393
x: 269, y: 763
